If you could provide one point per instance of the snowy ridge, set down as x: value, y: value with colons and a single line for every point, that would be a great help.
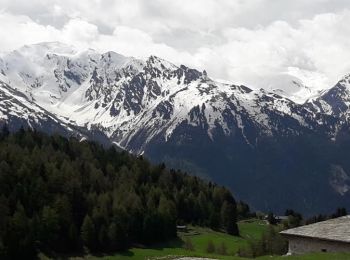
x: 16, y: 107
x: 136, y: 101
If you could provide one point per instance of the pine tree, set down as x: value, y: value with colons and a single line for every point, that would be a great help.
x: 228, y: 216
x: 88, y: 234
x: 271, y: 219
x: 49, y: 226
x: 20, y: 239
x: 112, y: 235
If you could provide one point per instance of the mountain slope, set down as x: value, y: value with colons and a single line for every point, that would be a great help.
x: 247, y: 139
x: 17, y: 111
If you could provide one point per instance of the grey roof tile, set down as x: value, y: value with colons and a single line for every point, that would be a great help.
x: 337, y: 229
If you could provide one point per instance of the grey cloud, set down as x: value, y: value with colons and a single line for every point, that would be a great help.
x: 237, y: 40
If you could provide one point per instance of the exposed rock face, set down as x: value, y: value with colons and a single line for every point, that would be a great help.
x: 339, y: 180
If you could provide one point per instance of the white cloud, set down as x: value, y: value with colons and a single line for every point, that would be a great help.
x: 80, y: 31
x: 249, y: 42
x: 18, y: 30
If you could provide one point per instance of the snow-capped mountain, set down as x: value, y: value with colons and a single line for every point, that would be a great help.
x: 171, y: 113
x: 293, y: 85
x: 126, y: 97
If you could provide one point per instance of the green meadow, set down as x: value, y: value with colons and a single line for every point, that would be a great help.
x: 199, y: 238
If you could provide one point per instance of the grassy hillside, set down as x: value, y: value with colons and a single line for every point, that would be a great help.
x: 201, y: 236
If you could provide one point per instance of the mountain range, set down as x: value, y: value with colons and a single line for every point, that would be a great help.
x: 271, y: 150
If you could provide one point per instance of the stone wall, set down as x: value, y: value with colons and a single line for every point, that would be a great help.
x: 300, y: 245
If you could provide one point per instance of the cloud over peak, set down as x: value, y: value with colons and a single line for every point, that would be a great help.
x: 252, y: 42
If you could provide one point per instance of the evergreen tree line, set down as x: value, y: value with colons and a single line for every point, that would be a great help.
x: 296, y: 219
x: 340, y: 212
x: 65, y: 196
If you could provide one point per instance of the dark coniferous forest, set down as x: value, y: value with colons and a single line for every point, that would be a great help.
x: 63, y: 196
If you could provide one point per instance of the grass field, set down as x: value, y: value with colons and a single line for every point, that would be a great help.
x: 200, y: 237
x: 316, y: 256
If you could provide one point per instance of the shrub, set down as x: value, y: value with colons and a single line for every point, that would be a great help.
x: 222, y: 249
x: 210, y: 247
x: 188, y: 244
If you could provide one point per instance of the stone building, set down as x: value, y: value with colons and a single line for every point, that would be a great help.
x: 327, y: 236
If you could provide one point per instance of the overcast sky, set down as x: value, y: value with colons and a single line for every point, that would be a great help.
x: 252, y: 42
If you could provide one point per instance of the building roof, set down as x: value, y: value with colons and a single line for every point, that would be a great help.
x: 281, y: 217
x: 337, y: 229
x: 181, y: 227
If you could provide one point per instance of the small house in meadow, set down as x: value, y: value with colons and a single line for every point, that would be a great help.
x: 278, y: 219
x: 327, y: 236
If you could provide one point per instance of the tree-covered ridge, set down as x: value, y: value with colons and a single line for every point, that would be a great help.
x: 60, y: 195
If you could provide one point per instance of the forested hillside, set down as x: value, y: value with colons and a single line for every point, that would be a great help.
x: 65, y: 196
